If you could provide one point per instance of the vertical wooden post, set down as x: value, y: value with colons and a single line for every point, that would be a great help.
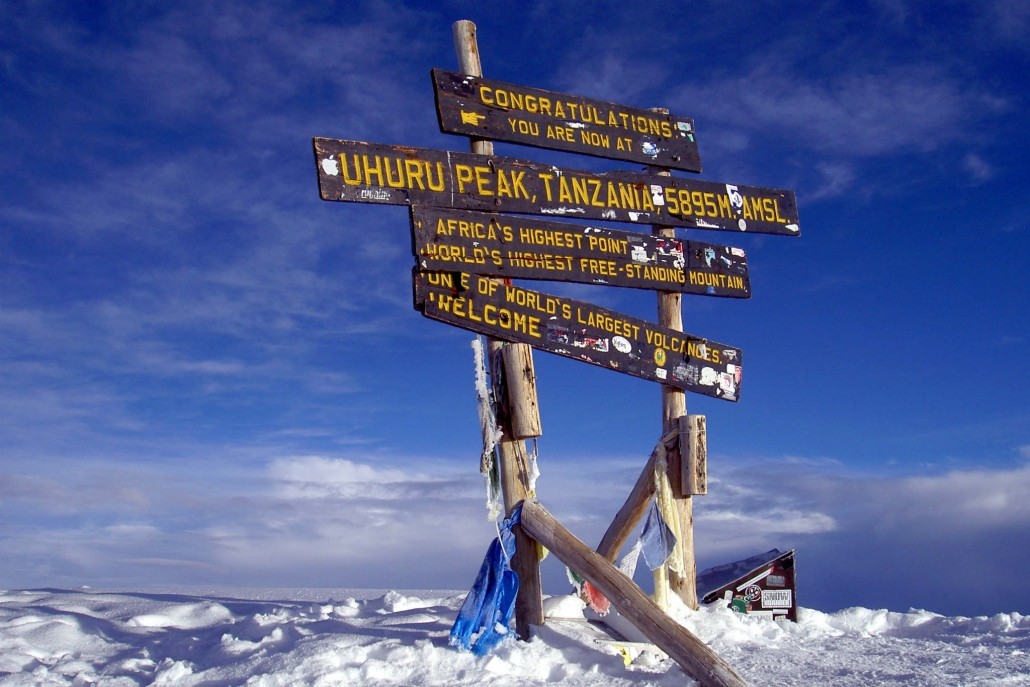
x: 674, y: 405
x: 694, y: 452
x: 635, y: 506
x: 520, y: 377
x: 529, y: 608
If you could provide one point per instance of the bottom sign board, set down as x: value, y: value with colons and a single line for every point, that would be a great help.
x: 581, y: 331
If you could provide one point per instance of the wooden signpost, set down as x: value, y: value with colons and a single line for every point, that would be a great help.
x: 530, y: 248
x: 466, y: 256
x: 484, y: 108
x: 510, y: 454
x: 363, y: 172
x: 581, y: 331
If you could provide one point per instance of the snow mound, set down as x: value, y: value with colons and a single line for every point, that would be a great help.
x: 55, y: 637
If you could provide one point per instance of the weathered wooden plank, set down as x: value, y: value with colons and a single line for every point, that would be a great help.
x: 694, y: 454
x: 531, y: 248
x: 693, y: 655
x: 529, y: 609
x: 581, y: 331
x: 636, y: 504
x: 520, y: 381
x: 677, y: 510
x: 546, y: 119
x: 357, y: 171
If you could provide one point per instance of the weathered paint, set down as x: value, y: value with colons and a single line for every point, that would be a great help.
x: 526, y: 247
x: 484, y: 108
x: 581, y: 331
x: 358, y: 171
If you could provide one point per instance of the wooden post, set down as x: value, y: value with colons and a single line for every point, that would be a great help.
x: 674, y: 405
x: 694, y: 452
x: 529, y: 609
x: 693, y: 655
x: 520, y: 378
x: 635, y: 506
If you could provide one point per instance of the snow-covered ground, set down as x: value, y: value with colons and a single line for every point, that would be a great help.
x: 87, y: 637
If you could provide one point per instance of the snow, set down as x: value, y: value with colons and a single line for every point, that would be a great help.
x: 355, y: 638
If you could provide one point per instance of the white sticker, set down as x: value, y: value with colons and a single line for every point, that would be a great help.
x: 776, y: 598
x: 330, y: 166
x: 374, y: 194
x: 708, y: 377
x: 621, y: 344
x: 660, y: 373
x: 657, y: 194
x: 736, y: 199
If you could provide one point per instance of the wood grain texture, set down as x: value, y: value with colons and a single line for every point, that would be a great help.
x: 693, y: 655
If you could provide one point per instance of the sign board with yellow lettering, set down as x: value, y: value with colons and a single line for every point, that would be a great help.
x: 483, y: 108
x: 531, y: 248
x: 581, y: 331
x: 376, y: 173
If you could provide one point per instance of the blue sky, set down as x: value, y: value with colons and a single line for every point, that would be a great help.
x: 212, y: 377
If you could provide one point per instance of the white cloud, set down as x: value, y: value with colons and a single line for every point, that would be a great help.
x: 355, y: 520
x: 309, y: 520
x: 966, y: 500
x: 837, y: 177
x: 774, y: 521
x: 131, y: 531
x: 873, y: 540
x: 611, y: 76
x: 319, y: 477
x: 811, y: 500
x: 1010, y: 20
x: 913, y: 108
x: 895, y: 10
x: 978, y: 168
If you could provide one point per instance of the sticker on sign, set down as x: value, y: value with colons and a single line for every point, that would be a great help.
x: 363, y: 172
x: 776, y: 598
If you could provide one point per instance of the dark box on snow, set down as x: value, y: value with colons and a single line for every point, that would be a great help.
x: 761, y: 585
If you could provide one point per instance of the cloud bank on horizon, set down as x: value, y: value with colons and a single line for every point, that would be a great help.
x: 211, y: 376
x: 314, y: 521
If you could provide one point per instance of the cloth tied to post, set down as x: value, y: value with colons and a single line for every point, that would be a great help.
x: 484, y: 618
x: 657, y: 540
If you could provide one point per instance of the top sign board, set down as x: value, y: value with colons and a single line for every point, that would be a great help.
x: 363, y: 172
x: 492, y: 109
